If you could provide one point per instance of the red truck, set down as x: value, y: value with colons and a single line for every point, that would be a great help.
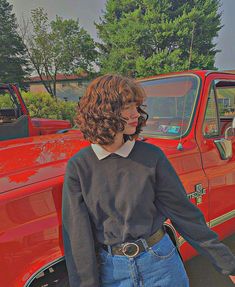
x: 191, y: 118
x: 15, y: 121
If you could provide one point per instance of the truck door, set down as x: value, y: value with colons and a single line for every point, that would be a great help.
x: 216, y: 118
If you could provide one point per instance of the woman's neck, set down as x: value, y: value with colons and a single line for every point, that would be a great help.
x: 118, y: 142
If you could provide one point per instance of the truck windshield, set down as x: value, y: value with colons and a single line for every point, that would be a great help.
x: 170, y: 105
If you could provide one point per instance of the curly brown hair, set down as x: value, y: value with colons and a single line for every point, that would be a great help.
x: 99, y: 110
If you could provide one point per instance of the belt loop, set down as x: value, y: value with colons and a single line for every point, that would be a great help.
x: 110, y: 250
x: 145, y: 244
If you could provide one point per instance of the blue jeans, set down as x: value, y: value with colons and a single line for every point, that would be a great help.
x: 158, y: 266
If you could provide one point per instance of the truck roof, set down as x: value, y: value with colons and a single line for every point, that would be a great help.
x: 202, y: 73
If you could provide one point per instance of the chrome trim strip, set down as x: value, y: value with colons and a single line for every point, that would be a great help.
x: 221, y: 219
x: 34, y: 275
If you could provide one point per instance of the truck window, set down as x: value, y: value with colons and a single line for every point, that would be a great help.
x: 170, y: 105
x: 13, y: 123
x: 225, y: 93
x: 226, y: 98
x: 10, y: 109
x: 211, y: 122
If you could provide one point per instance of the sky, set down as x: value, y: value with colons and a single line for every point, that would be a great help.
x: 88, y: 11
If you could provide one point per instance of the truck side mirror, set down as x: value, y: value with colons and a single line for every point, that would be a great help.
x: 226, y: 136
x: 224, y: 145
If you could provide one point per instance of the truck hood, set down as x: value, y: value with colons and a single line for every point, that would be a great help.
x: 29, y: 160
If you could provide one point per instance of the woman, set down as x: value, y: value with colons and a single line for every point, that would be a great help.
x: 117, y: 194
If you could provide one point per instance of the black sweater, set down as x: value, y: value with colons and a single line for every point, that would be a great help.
x: 119, y: 199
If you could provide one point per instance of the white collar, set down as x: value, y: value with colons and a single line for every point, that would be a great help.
x: 123, y: 151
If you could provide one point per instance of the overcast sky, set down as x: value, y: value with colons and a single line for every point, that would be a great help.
x: 89, y: 11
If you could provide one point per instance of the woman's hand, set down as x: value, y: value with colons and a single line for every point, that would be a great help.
x: 232, y: 277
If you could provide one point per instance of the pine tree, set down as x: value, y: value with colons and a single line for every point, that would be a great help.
x: 13, y: 61
x: 146, y: 37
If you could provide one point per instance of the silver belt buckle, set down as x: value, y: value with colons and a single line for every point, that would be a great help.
x: 130, y: 249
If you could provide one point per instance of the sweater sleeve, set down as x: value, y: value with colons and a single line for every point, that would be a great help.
x: 172, y: 200
x: 78, y: 238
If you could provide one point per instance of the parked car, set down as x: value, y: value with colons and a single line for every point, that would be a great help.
x: 15, y: 121
x: 185, y: 120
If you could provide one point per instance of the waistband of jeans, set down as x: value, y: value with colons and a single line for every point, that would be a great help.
x: 137, y: 246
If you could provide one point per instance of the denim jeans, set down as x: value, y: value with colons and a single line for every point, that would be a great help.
x: 158, y: 266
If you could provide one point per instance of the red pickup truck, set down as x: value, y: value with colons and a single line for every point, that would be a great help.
x: 191, y: 118
x: 15, y: 121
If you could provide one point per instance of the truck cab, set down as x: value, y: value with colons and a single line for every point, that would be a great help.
x: 192, y: 118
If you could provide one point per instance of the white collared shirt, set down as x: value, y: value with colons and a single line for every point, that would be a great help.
x: 123, y: 151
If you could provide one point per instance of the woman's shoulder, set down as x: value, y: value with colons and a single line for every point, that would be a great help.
x: 82, y: 154
x: 148, y: 147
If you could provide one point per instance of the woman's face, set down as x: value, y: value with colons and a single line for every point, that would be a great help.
x: 130, y: 113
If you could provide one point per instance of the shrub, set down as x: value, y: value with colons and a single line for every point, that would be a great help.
x: 42, y: 105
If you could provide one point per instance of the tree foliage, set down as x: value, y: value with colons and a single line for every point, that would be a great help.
x: 59, y: 46
x: 145, y: 37
x: 13, y: 57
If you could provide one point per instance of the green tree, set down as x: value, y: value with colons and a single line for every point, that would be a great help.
x: 13, y: 58
x: 60, y: 46
x: 145, y: 37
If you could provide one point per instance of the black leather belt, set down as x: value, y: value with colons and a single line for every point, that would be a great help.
x: 132, y: 249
